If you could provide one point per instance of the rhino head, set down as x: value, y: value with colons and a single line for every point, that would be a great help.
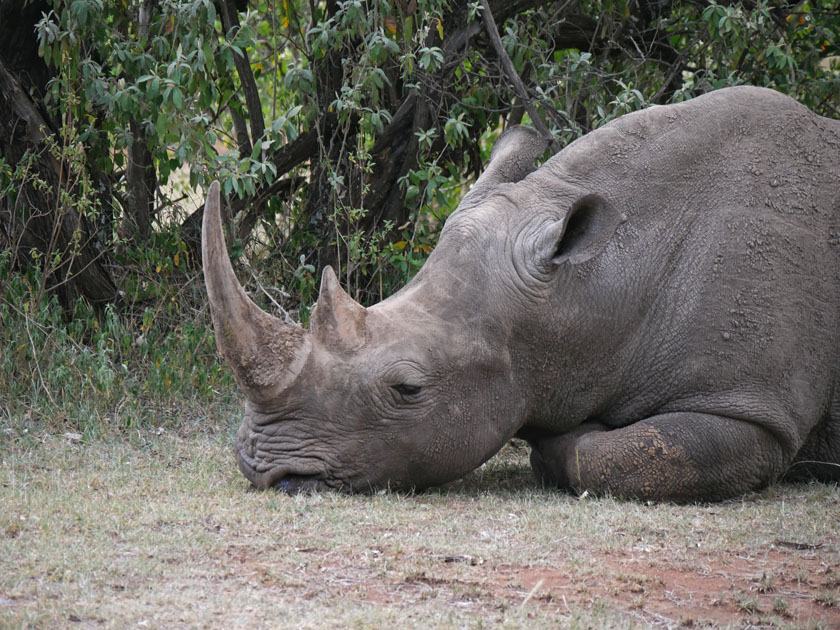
x: 411, y: 392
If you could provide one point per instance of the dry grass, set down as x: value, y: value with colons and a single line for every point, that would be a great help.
x: 160, y: 531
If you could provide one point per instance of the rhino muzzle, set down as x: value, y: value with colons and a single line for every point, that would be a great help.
x: 282, y: 478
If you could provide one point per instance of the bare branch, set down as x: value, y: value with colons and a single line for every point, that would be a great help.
x: 510, y: 71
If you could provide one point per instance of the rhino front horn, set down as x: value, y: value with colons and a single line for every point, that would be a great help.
x: 264, y: 353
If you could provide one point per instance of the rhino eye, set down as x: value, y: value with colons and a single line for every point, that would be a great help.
x: 404, y: 389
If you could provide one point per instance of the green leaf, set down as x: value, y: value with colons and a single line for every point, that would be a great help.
x: 79, y: 10
x: 153, y: 88
x: 256, y: 152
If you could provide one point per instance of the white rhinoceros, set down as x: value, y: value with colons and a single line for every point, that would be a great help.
x: 656, y: 310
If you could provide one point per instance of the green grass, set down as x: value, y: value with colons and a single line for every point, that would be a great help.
x: 158, y: 529
x: 102, y: 373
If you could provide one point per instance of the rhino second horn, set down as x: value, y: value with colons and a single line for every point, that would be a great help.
x: 264, y: 353
x: 338, y: 321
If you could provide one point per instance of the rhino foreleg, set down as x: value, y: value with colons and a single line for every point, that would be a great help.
x: 679, y: 457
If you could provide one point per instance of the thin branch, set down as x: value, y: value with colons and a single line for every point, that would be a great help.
x: 510, y: 71
x: 243, y: 142
x: 285, y: 187
x: 676, y: 69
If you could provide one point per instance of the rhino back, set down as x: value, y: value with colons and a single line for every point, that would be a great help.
x: 721, y: 292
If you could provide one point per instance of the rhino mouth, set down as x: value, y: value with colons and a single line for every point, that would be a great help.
x: 294, y: 484
x: 282, y: 478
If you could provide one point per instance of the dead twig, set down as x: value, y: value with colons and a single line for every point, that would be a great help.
x: 799, y: 546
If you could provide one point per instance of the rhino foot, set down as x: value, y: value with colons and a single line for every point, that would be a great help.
x: 680, y: 457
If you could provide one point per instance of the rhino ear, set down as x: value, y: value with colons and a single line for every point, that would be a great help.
x: 511, y: 160
x: 338, y: 321
x: 583, y: 233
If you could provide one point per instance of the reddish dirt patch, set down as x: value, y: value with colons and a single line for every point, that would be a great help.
x: 763, y: 589
x: 776, y: 586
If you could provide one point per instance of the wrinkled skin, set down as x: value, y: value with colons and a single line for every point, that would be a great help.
x: 656, y: 310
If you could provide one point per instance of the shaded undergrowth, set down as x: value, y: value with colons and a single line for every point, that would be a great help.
x: 146, y: 364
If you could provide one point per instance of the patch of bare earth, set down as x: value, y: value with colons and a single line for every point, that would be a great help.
x: 775, y: 588
x: 710, y: 589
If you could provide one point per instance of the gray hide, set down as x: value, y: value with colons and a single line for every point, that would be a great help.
x: 656, y: 310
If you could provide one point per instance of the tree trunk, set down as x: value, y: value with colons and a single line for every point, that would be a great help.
x: 141, y: 181
x: 36, y: 221
x: 141, y: 177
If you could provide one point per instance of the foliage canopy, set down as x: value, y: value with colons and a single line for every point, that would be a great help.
x: 343, y: 132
